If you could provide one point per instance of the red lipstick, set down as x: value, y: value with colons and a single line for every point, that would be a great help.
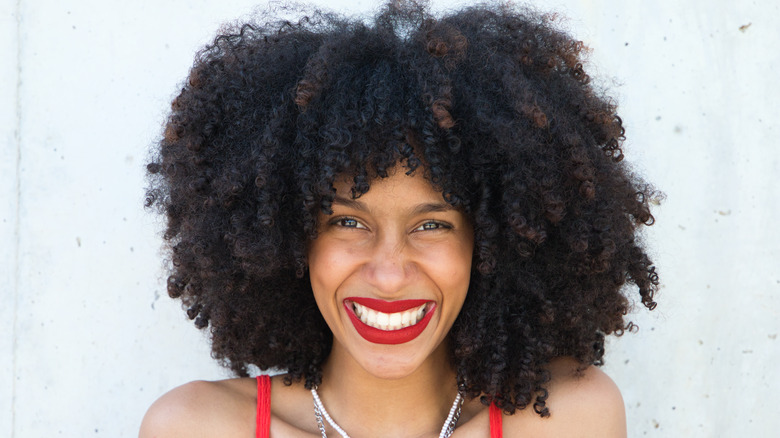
x: 391, y: 337
x: 388, y: 306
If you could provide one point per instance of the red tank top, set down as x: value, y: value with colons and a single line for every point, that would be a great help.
x: 264, y: 411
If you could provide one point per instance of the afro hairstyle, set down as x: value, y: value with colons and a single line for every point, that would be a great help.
x: 491, y: 103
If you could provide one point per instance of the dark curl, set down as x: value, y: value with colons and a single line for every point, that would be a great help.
x: 491, y: 103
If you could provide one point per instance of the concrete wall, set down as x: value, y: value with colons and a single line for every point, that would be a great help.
x: 90, y: 338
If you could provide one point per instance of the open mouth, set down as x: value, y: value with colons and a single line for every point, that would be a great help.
x: 389, y: 322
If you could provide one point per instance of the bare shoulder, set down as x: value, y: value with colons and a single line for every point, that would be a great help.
x: 203, y: 409
x: 586, y: 404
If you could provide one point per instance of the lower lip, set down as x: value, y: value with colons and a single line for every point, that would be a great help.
x: 390, y: 337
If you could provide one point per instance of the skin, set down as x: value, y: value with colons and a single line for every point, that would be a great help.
x: 398, y: 241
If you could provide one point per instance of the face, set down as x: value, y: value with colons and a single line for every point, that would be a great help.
x: 390, y: 271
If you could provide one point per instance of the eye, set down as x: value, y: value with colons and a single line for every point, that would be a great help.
x: 432, y: 225
x: 347, y: 222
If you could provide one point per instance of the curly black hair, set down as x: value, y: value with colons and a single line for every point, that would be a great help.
x: 493, y: 105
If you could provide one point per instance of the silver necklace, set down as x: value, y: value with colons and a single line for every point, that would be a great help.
x: 320, y: 413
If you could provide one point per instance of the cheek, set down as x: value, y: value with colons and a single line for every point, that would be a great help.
x: 329, y: 264
x: 456, y: 273
x: 322, y: 285
x: 318, y: 265
x: 464, y: 259
x: 453, y: 267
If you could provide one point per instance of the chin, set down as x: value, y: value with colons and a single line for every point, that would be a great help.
x: 394, y: 363
x: 390, y: 368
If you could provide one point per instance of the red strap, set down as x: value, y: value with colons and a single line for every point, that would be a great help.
x: 495, y: 422
x: 263, y: 407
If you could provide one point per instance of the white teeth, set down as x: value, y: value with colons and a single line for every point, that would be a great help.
x: 382, y: 319
x: 391, y: 321
x: 395, y: 321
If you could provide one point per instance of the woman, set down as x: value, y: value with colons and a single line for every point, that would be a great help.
x: 425, y: 222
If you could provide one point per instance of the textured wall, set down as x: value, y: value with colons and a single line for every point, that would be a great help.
x: 90, y: 339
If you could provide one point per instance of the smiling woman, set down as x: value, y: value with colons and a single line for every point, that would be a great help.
x: 423, y: 221
x: 399, y: 251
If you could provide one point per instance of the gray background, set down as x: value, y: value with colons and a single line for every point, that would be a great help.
x: 90, y: 339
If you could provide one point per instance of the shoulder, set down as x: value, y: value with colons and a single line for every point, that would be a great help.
x: 584, y: 404
x: 203, y: 409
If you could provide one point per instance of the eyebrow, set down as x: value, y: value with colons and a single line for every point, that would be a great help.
x: 432, y: 207
x: 427, y: 207
x: 350, y: 203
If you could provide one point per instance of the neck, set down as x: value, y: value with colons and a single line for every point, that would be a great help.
x: 414, y: 405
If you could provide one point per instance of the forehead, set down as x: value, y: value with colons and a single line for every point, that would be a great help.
x: 396, y: 183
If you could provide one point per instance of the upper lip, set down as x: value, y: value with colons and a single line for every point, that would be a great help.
x: 388, y: 306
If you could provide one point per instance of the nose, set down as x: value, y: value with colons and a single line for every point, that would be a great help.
x: 389, y: 267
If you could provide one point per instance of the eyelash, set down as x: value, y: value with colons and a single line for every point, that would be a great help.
x: 340, y: 221
x: 439, y: 226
